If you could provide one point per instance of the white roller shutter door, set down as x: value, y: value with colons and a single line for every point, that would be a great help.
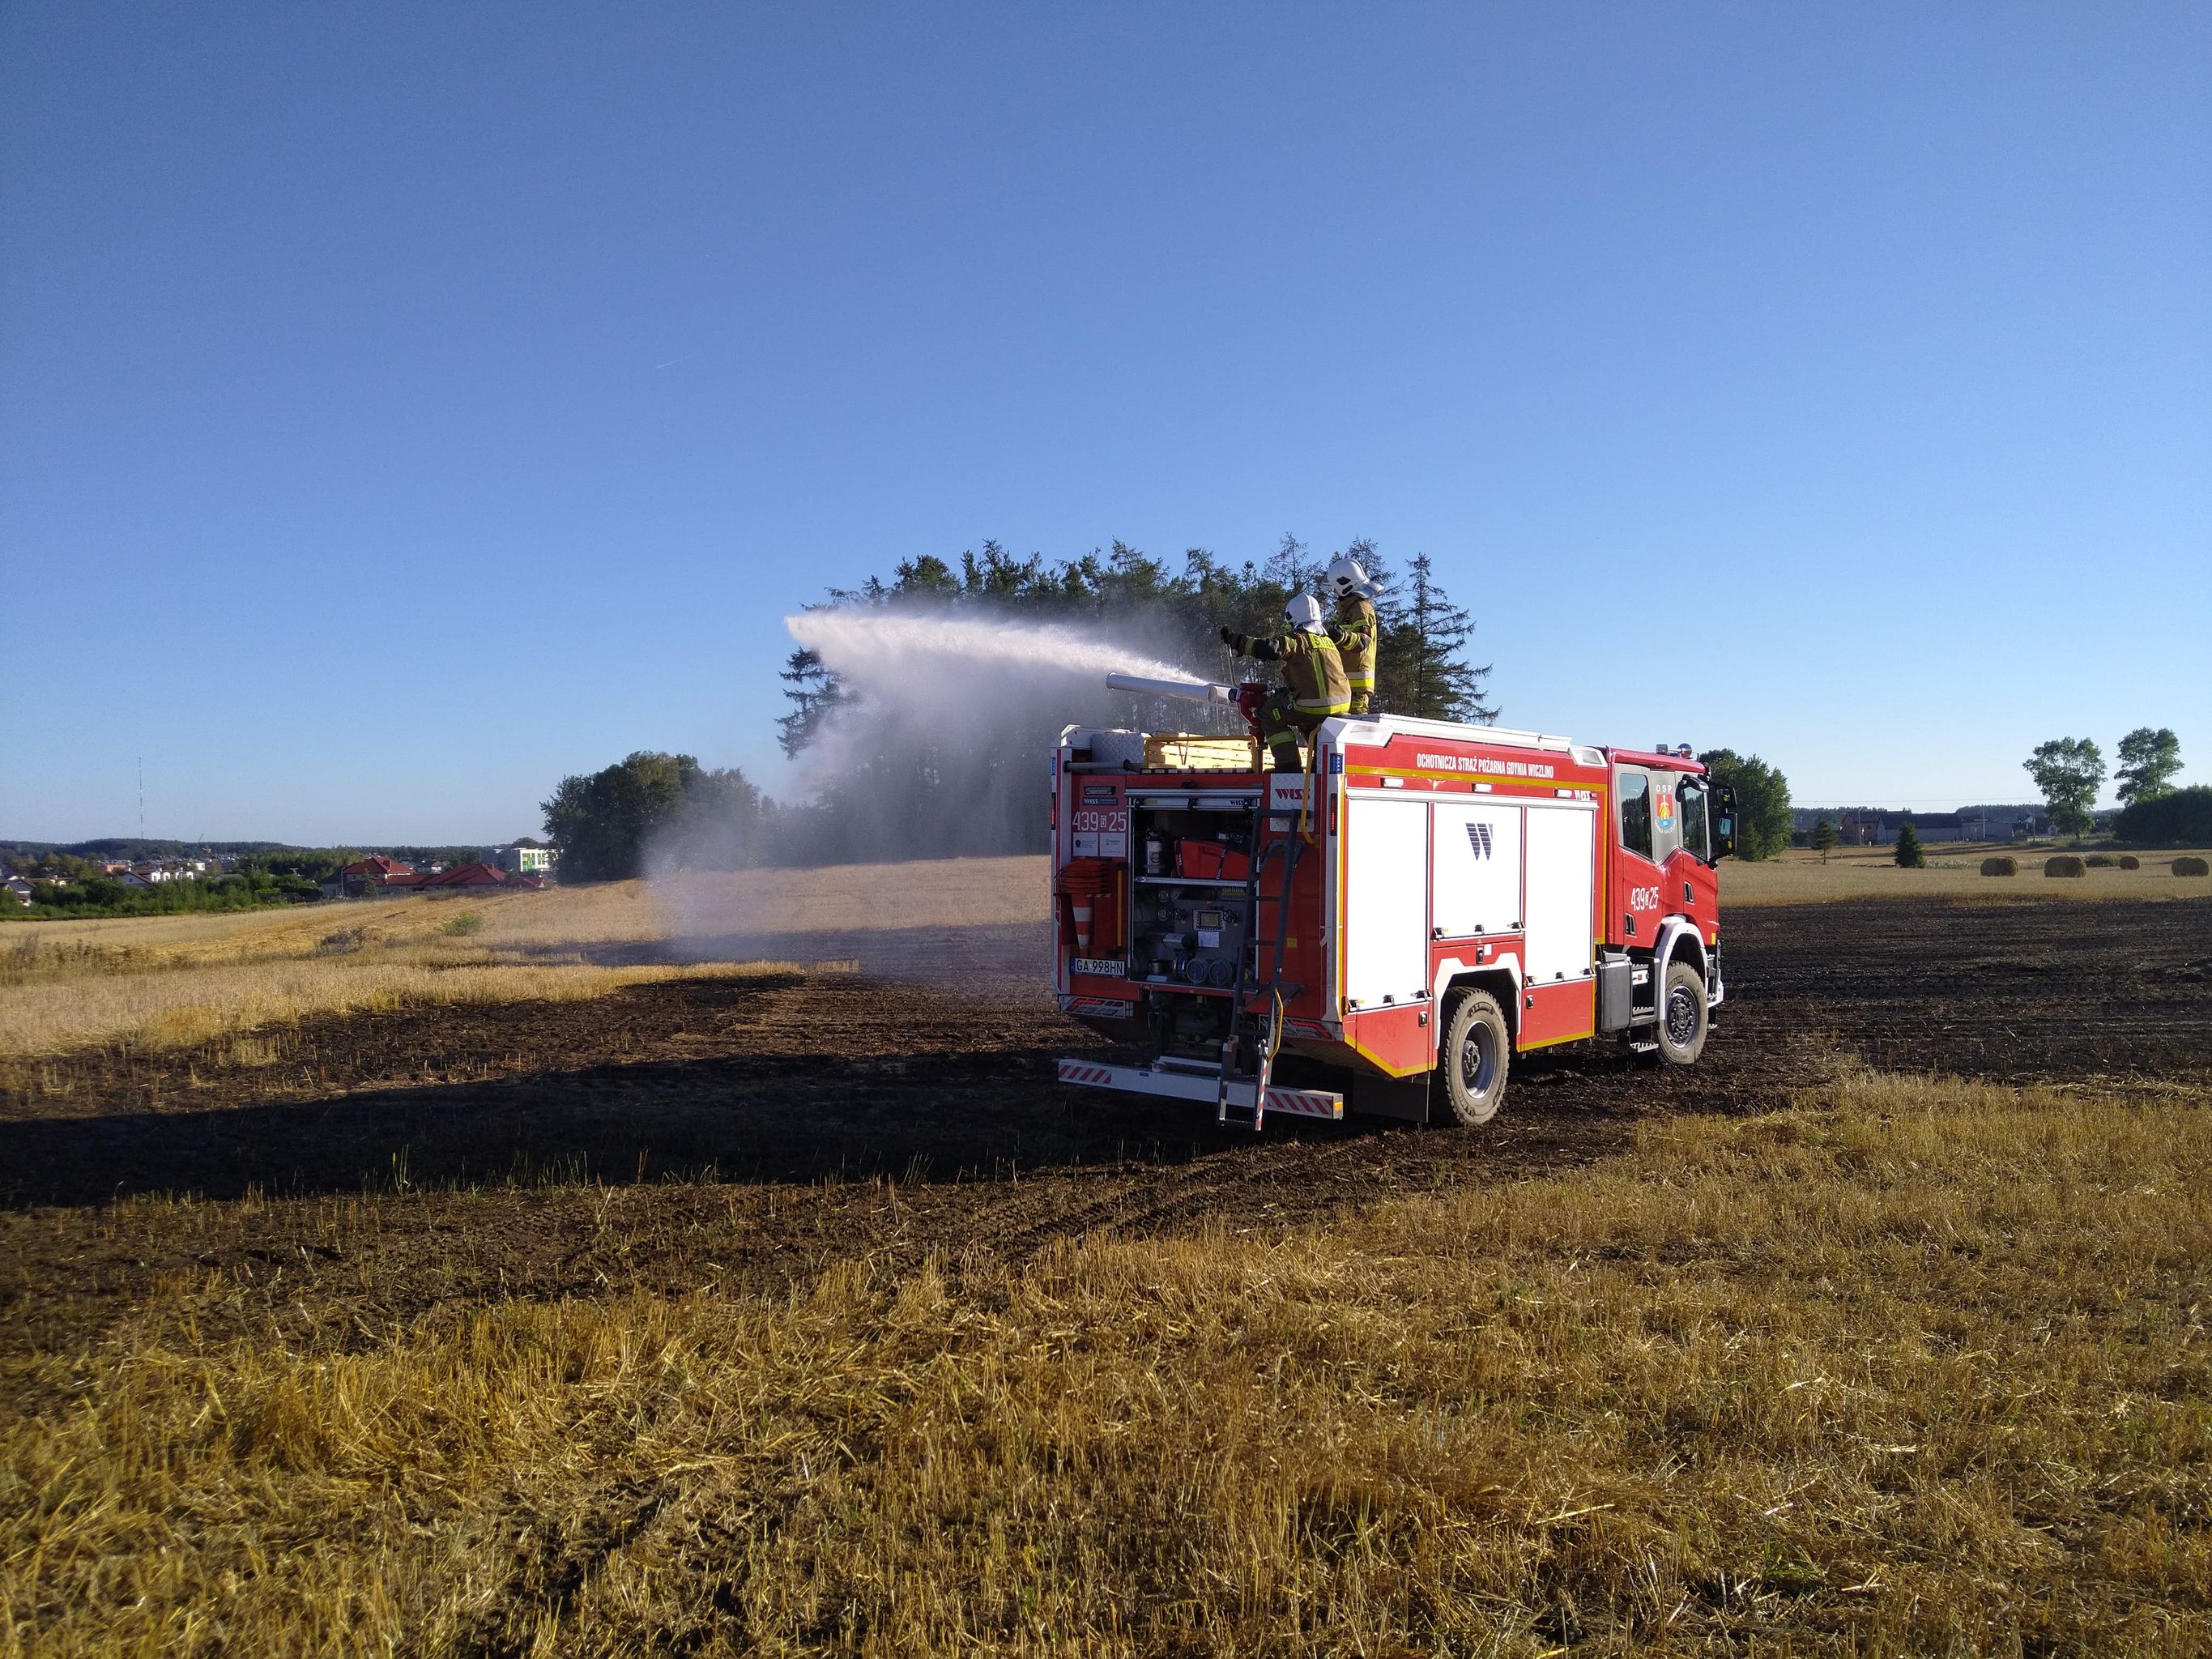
x: 1386, y: 919
x: 1561, y: 892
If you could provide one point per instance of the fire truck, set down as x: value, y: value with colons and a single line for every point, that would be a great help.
x: 1385, y: 929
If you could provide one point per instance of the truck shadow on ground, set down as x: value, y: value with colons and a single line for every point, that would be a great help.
x: 937, y: 1119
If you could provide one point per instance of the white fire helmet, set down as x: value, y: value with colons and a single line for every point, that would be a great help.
x: 1303, y: 612
x: 1346, y: 575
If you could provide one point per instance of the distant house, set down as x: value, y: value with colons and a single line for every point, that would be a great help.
x: 17, y: 889
x: 1865, y: 828
x: 1946, y: 826
x: 466, y: 875
x: 1880, y: 829
x: 365, y: 878
x: 129, y: 878
x: 524, y: 861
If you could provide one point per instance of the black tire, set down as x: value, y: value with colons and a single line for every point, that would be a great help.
x: 1476, y: 1054
x: 1683, y: 1017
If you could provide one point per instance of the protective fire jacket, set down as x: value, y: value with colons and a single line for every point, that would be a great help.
x: 1312, y: 669
x: 1357, y: 637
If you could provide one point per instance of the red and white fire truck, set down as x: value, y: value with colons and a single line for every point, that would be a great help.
x: 1385, y: 929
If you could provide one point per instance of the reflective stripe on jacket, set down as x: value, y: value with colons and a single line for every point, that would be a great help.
x: 1357, y: 636
x: 1312, y: 669
x: 1314, y: 672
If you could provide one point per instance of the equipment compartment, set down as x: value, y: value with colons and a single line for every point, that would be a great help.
x: 1187, y: 910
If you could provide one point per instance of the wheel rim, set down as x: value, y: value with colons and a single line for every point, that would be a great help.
x: 1682, y: 1016
x: 1477, y: 1059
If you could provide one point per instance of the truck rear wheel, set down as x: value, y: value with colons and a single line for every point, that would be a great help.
x: 1471, y: 1067
x: 1682, y: 1015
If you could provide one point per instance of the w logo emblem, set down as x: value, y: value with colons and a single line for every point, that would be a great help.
x: 1478, y: 837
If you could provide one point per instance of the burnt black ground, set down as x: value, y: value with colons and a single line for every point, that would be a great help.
x: 750, y: 1134
x: 799, y: 1077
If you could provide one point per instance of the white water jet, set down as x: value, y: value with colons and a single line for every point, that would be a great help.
x: 941, y: 736
x: 939, y: 744
x: 868, y: 647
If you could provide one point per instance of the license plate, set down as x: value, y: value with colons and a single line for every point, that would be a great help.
x: 1100, y: 967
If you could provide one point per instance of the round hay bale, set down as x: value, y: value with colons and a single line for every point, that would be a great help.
x: 2191, y: 866
x: 2100, y: 860
x: 2064, y: 865
x: 2000, y: 865
x: 2130, y: 862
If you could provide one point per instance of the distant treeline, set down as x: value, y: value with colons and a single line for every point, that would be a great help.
x: 131, y: 849
x: 136, y: 849
x: 2180, y: 818
x: 73, y: 884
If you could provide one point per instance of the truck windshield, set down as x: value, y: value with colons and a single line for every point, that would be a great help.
x: 1635, y: 811
x: 1691, y: 794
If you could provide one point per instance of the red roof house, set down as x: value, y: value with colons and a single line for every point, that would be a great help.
x: 366, y: 877
x: 382, y: 868
x: 466, y: 875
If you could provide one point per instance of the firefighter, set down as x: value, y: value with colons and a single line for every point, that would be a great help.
x: 1353, y: 629
x: 1313, y: 687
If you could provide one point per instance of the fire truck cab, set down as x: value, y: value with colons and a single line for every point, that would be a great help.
x: 1387, y: 929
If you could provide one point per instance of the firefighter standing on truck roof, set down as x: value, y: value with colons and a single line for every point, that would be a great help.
x: 1314, y: 685
x: 1354, y: 630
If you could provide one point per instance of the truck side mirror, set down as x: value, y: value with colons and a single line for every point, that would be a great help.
x: 1724, y: 823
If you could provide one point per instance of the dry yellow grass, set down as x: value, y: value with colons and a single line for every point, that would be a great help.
x: 1800, y: 878
x: 164, y: 982
x: 1910, y: 1367
x: 928, y: 893
x: 174, y: 981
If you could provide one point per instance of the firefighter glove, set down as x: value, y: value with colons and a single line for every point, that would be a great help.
x: 1229, y: 639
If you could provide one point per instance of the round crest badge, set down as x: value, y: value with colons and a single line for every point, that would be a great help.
x: 1664, y: 806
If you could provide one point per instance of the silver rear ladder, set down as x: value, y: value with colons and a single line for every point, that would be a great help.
x: 1267, y: 1033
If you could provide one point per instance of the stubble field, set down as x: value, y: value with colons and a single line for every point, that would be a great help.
x: 770, y: 1296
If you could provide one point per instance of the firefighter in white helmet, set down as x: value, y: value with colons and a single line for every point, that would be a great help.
x: 1314, y: 686
x: 1354, y: 630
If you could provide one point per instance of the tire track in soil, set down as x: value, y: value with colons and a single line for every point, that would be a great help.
x: 2016, y: 990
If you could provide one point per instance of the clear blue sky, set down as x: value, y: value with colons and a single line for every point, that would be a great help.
x: 400, y: 408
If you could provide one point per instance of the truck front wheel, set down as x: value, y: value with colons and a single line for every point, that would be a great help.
x: 1682, y: 1015
x: 1477, y: 1052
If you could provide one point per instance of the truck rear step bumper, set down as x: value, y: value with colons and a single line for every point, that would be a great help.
x: 1200, y: 1085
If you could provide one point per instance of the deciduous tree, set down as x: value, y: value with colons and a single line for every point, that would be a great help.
x: 602, y: 823
x: 2148, y: 761
x: 2068, y: 770
x: 1762, y: 801
x: 2180, y: 817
